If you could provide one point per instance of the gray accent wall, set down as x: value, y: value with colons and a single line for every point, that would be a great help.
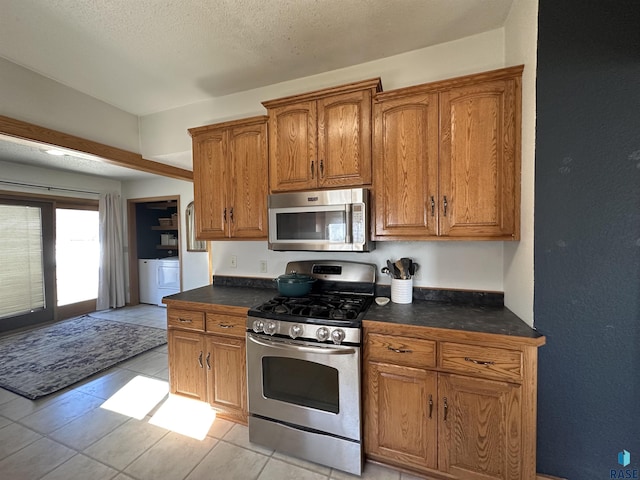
x: 587, y: 236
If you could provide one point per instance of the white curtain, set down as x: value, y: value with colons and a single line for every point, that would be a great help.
x: 111, y: 291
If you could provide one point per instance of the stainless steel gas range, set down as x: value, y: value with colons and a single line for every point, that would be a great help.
x: 304, y: 366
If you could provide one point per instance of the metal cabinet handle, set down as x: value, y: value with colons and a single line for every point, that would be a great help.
x: 224, y: 215
x: 185, y: 320
x: 223, y: 325
x: 231, y: 214
x: 200, y: 359
x: 430, y: 405
x: 313, y: 170
x: 207, y: 360
x: 400, y: 350
x: 446, y: 409
x: 445, y: 204
x: 321, y: 168
x: 478, y: 362
x: 433, y: 206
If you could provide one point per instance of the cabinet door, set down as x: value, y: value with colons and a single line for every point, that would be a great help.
x: 186, y: 364
x: 292, y: 147
x: 209, y: 177
x: 344, y: 139
x: 479, y: 160
x: 405, y: 167
x: 480, y: 428
x: 226, y: 366
x: 400, y: 415
x: 247, y: 215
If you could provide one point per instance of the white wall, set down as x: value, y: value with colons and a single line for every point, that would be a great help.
x: 521, y: 33
x: 195, y: 266
x: 464, y: 265
x: 13, y: 172
x: 33, y: 98
x: 166, y: 132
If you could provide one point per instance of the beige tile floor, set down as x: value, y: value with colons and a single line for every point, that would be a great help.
x: 69, y: 435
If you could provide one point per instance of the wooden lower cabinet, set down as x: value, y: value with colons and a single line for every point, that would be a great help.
x: 186, y: 354
x: 226, y: 375
x: 432, y: 415
x: 209, y: 366
x: 399, y: 423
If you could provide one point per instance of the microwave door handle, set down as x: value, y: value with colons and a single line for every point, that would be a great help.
x: 349, y: 222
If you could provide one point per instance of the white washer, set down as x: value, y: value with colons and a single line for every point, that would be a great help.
x: 158, y: 278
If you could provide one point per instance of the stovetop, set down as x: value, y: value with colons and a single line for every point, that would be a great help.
x: 317, y: 308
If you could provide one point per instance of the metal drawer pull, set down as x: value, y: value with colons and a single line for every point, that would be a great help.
x: 185, y: 320
x: 224, y: 325
x: 400, y: 350
x: 433, y: 206
x: 208, y: 358
x: 478, y: 362
x: 430, y: 405
x: 312, y: 170
x: 200, y: 359
x: 446, y: 408
x: 445, y: 204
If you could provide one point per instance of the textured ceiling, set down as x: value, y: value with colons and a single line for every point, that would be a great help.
x: 146, y: 56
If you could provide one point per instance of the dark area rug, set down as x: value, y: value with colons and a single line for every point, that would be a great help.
x: 46, y: 359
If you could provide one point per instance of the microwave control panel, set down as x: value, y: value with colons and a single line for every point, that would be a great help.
x: 358, y: 223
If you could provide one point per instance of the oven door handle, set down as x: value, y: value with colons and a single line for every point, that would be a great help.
x: 342, y: 350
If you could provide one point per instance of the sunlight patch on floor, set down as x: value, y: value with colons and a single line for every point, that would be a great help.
x: 185, y: 416
x: 138, y: 397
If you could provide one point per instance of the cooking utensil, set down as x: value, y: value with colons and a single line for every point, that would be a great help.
x: 391, y: 268
x: 406, y: 267
x: 400, y: 268
x: 294, y: 284
x: 386, y: 271
x: 414, y: 268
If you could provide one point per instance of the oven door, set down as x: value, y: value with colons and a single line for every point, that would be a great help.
x: 316, y: 386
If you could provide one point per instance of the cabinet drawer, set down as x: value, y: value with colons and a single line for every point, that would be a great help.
x: 185, y: 319
x: 226, y: 324
x: 413, y: 352
x: 483, y: 361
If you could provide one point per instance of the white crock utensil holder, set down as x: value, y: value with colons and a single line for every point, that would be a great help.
x: 401, y: 290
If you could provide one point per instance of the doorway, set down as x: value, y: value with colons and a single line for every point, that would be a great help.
x: 154, y: 231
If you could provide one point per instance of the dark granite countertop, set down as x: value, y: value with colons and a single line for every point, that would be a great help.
x: 471, y: 318
x: 225, y: 295
x: 458, y: 311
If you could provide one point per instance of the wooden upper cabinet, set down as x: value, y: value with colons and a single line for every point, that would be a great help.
x: 478, y: 159
x: 321, y: 139
x: 344, y: 139
x: 447, y: 159
x: 208, y: 184
x: 292, y: 146
x: 406, y: 166
x: 230, y: 181
x: 248, y: 181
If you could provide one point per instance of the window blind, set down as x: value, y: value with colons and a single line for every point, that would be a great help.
x: 21, y: 260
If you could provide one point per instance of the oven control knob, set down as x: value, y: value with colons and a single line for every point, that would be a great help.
x: 270, y: 328
x: 337, y: 336
x: 322, y: 333
x: 295, y: 331
x: 258, y: 326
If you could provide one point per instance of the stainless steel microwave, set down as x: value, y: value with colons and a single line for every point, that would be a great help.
x: 322, y: 220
